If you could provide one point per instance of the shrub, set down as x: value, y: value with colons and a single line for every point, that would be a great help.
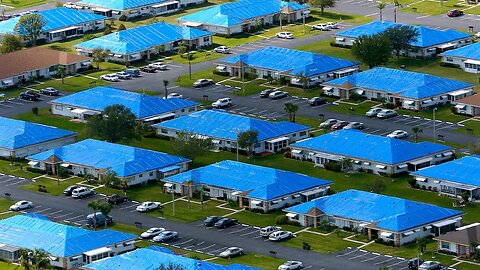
x: 35, y: 110
x: 221, y: 73
x: 107, y: 31
x: 287, y: 154
x: 88, y: 37
x: 123, y: 18
x: 36, y: 170
x: 281, y: 220
x: 282, y: 81
x: 332, y: 166
x: 306, y: 246
x: 250, y: 75
x: 356, y: 97
x: 389, y: 105
x: 412, y: 182
x: 42, y: 188
x: 449, y: 65
x: 232, y: 203
x: 122, y: 27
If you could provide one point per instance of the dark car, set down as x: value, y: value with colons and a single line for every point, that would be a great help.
x: 29, y: 95
x: 98, y: 220
x: 211, y: 220
x: 50, y: 91
x: 316, y: 101
x: 225, y: 223
x: 148, y: 69
x: 339, y: 125
x: 414, y: 263
x: 69, y: 189
x: 135, y: 72
x: 116, y: 199
x: 265, y: 93
x: 454, y: 13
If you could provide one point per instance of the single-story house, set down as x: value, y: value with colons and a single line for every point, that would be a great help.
x: 405, y: 89
x: 62, y: 23
x: 392, y: 219
x: 452, y: 178
x: 466, y: 58
x: 468, y: 105
x: 136, y: 165
x: 278, y: 62
x: 148, y: 109
x: 240, y: 16
x: 37, y: 62
x: 386, y: 156
x: 429, y: 42
x: 223, y: 129
x: 154, y: 257
x: 19, y: 139
x: 141, y: 42
x: 69, y: 247
x: 462, y: 243
x: 252, y: 186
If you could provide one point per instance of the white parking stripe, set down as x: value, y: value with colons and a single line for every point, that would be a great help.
x: 384, y: 261
x: 207, y: 247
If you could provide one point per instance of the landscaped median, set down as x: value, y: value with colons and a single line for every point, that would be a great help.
x: 324, y: 243
x: 51, y: 185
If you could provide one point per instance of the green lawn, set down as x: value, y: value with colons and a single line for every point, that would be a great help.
x: 17, y: 169
x: 11, y: 92
x: 251, y: 87
x: 434, y: 7
x: 467, y: 266
x: 20, y: 4
x: 5, y: 204
x: 8, y: 266
x: 324, y: 244
x: 54, y: 187
x: 359, y: 109
x: 470, y: 127
x: 183, y: 214
x: 257, y: 219
x: 256, y: 260
x: 443, y: 113
x: 151, y: 192
x: 204, y: 74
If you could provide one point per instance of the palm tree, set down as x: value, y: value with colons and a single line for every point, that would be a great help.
x: 95, y: 206
x: 189, y: 185
x: 190, y: 58
x: 99, y: 55
x: 291, y: 109
x: 165, y: 85
x: 421, y: 244
x: 303, y: 80
x: 380, y: 7
x: 24, y: 258
x: 61, y: 71
x: 40, y: 259
x: 124, y: 186
x: 415, y: 131
x: 105, y: 209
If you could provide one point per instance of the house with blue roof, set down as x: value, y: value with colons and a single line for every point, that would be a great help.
x: 148, y: 109
x: 385, y: 156
x: 452, y: 178
x: 141, y: 42
x: 240, y: 16
x: 252, y: 186
x: 392, y: 219
x: 223, y: 129
x: 136, y: 165
x: 429, y: 41
x: 279, y: 62
x: 68, y: 246
x: 62, y: 23
x: 405, y: 89
x: 466, y: 58
x: 20, y: 139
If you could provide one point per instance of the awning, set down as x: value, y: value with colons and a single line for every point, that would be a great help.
x: 447, y: 45
x: 161, y: 116
x: 362, y: 225
x: 99, y: 9
x: 65, y: 165
x: 278, y: 140
x: 359, y: 91
x: 421, y: 161
x: 192, y: 24
x: 327, y: 88
x: 169, y: 168
x: 310, y: 192
x: 235, y: 193
x: 437, y: 182
x: 444, y: 223
x: 63, y: 29
x: 135, y: 55
x: 276, y: 201
x: 427, y: 227
x: 407, y: 233
x: 345, y: 71
x: 471, y: 61
x: 402, y: 166
x: 421, y: 179
x: 381, y: 166
x: 459, y: 92
x: 33, y: 163
x: 409, y: 102
x: 461, y: 107
x: 386, y: 234
x: 216, y: 141
x: 447, y: 154
x: 357, y: 162
x: 296, y: 151
x: 329, y: 156
x: 97, y: 251
x: 340, y: 39
x: 459, y: 186
x: 292, y: 215
x: 366, y: 163
x: 256, y: 202
x: 79, y: 111
x: 168, y: 185
x: 7, y: 82
x: 165, y: 4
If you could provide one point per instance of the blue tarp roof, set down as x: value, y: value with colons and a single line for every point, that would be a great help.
x: 223, y: 125
x: 471, y: 51
x: 56, y: 18
x: 120, y: 4
x: 290, y: 62
x: 15, y: 133
x: 152, y: 258
x: 233, y: 13
x: 142, y: 106
x: 406, y: 84
x: 37, y: 232
x: 465, y: 170
x: 143, y: 37
x: 427, y: 36
x: 385, y: 212
x: 352, y: 143
x: 121, y: 159
x: 256, y: 181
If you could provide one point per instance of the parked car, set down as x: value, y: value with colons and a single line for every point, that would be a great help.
x: 280, y: 236
x: 123, y: 75
x: 29, y: 95
x: 321, y: 27
x: 158, y: 66
x: 147, y: 206
x: 231, y: 252
x: 225, y: 223
x: 174, y: 95
x: 278, y: 94
x: 82, y: 192
x: 50, y: 91
x: 414, y: 263
x: 384, y: 114
x: 68, y: 191
x: 285, y: 35
x: 135, y: 72
x: 165, y: 236
x: 266, y: 231
x: 339, y: 125
x: 373, y: 112
x: 398, y: 134
x: 211, y: 220
x: 21, y: 205
x: 222, y: 49
x: 289, y: 265
x: 454, y: 13
x: 315, y: 101
x: 222, y: 103
x: 70, y: 5
x: 477, y: 35
x: 116, y: 199
x: 354, y: 125
x: 148, y: 69
x: 332, y: 25
x: 98, y: 219
x: 328, y: 123
x: 110, y: 77
x: 429, y: 265
x: 152, y: 232
x: 265, y: 93
x: 202, y: 83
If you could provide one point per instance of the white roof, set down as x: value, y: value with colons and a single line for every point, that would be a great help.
x: 459, y: 92
x: 278, y: 140
x: 97, y: 251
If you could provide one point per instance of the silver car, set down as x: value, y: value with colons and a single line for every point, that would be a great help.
x: 384, y: 114
x: 373, y: 112
x: 328, y: 123
x: 231, y: 252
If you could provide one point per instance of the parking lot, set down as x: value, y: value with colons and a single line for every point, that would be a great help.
x: 376, y: 259
x: 10, y: 180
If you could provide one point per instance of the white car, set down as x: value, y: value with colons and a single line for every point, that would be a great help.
x: 110, y: 77
x: 332, y: 25
x: 158, y: 66
x: 321, y: 27
x: 354, y: 125
x: 165, y: 236
x: 82, y: 192
x: 289, y: 265
x: 285, y: 35
x: 152, y: 232
x: 222, y: 103
x: 222, y: 49
x: 328, y: 123
x: 384, y: 114
x: 398, y: 134
x: 231, y: 252
x: 21, y: 205
x: 174, y: 95
x: 373, y: 112
x: 429, y: 265
x: 147, y: 206
x: 280, y: 235
x: 477, y: 35
x: 266, y: 231
x: 70, y: 5
x: 123, y: 75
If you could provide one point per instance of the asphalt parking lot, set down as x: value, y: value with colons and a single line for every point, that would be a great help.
x: 10, y: 180
x: 376, y: 259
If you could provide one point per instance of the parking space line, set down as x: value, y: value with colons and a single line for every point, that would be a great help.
x: 384, y: 261
x: 207, y: 247
x: 388, y: 266
x: 348, y: 253
x: 55, y: 212
x: 190, y: 240
x: 250, y: 233
x: 73, y: 218
x: 358, y: 256
x: 41, y: 211
x: 369, y: 259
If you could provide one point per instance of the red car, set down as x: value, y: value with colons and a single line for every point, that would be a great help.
x: 454, y: 13
x: 339, y: 125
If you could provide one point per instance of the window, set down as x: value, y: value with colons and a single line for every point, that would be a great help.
x: 445, y: 245
x: 59, y: 107
x: 303, y: 133
x: 449, y: 59
x: 191, y: 109
x: 151, y: 173
x: 164, y: 131
x: 206, y: 39
x: 141, y: 175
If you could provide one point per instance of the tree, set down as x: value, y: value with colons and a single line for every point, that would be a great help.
x: 62, y: 71
x: 40, y: 259
x: 303, y: 80
x: 322, y: 4
x: 110, y: 179
x: 182, y: 49
x: 95, y: 206
x: 105, y: 209
x: 165, y: 85
x: 374, y: 50
x: 378, y: 186
x: 401, y: 36
x: 170, y: 267
x: 247, y: 140
x: 99, y: 55
x: 474, y: 149
x: 121, y: 27
x: 415, y: 131
x: 380, y: 7
x: 190, y: 58
x: 10, y: 43
x: 116, y: 123
x: 421, y: 244
x: 190, y: 146
x: 189, y: 186
x: 30, y: 26
x: 347, y: 164
x: 291, y: 109
x: 24, y: 258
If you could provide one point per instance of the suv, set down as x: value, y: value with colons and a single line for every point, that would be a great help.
x: 29, y: 95
x: 221, y: 103
x: 265, y: 93
x: 135, y: 72
x: 82, y: 192
x: 68, y: 191
x: 225, y: 223
x: 98, y: 219
x: 50, y: 91
x: 265, y: 232
x: 415, y: 263
x: 116, y: 199
x: 321, y: 27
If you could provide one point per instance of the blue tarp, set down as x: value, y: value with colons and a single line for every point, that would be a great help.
x: 142, y: 38
x: 56, y: 18
x: 15, y: 133
x: 465, y: 170
x: 120, y: 4
x: 471, y: 51
x: 427, y: 37
x: 291, y: 62
x: 142, y: 106
x: 406, y: 84
x: 238, y: 12
x: 385, y: 212
x: 57, y: 239
x: 121, y: 159
x: 258, y: 182
x: 353, y: 143
x: 223, y: 125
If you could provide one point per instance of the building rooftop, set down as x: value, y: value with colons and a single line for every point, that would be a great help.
x: 464, y: 171
x: 289, y: 62
x: 407, y: 84
x: 223, y: 125
x: 141, y: 105
x: 352, y: 144
x: 33, y: 231
x: 16, y: 134
x: 254, y: 181
x: 121, y: 159
x: 427, y: 36
x: 234, y: 13
x: 471, y: 51
x: 120, y: 4
x: 473, y: 100
x: 56, y: 18
x: 384, y: 212
x: 464, y: 235
x: 143, y: 37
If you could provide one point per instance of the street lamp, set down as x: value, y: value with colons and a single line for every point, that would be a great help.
x: 434, y: 126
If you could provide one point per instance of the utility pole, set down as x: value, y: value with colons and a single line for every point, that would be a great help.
x: 173, y: 200
x: 434, y: 126
x: 243, y: 76
x: 303, y: 17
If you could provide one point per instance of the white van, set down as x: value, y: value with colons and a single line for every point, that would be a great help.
x: 82, y: 192
x: 265, y: 232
